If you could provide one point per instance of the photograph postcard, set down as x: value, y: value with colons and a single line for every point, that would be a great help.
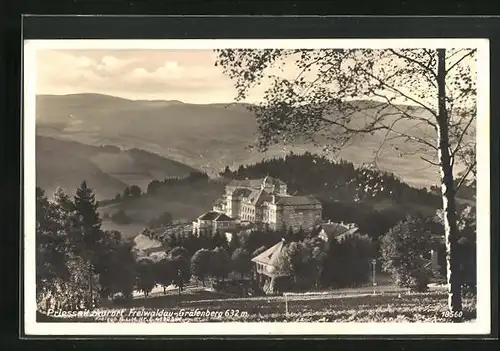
x: 279, y: 187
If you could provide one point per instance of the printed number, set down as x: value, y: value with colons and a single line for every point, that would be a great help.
x: 448, y: 314
x: 231, y: 313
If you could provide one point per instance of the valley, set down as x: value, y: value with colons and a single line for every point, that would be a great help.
x: 204, y: 137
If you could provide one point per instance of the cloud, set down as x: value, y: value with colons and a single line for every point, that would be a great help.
x: 186, y: 76
x: 111, y: 65
x: 169, y: 70
x: 83, y: 61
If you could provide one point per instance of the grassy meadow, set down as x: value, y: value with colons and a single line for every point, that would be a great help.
x: 391, y: 307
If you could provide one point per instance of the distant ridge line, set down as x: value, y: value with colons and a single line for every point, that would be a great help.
x: 176, y: 101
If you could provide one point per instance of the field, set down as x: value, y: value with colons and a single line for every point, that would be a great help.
x: 185, y: 202
x: 128, y: 231
x: 390, y: 307
x: 107, y: 170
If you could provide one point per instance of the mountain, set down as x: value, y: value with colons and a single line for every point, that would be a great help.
x: 107, y: 169
x: 209, y: 137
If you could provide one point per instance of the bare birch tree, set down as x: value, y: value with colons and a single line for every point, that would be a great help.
x: 420, y: 101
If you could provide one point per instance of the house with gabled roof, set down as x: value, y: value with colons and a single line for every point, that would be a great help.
x: 212, y: 222
x: 337, y: 231
x: 266, y: 270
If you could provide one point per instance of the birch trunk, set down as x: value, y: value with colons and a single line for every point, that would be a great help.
x: 448, y: 193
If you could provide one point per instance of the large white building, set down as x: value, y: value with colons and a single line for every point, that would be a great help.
x: 266, y: 203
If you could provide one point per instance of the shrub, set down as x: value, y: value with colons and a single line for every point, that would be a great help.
x: 162, y: 220
x: 403, y: 249
x: 121, y: 217
x: 347, y: 263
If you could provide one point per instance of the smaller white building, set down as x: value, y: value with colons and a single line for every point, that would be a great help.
x: 212, y: 221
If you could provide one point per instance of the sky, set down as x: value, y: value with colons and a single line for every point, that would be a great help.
x: 187, y: 75
x: 149, y: 74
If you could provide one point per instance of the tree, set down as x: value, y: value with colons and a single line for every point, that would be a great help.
x: 165, y: 273
x: 201, y: 264
x: 162, y: 220
x: 146, y: 279
x: 118, y: 271
x: 423, y: 97
x: 179, y: 257
x: 51, y: 243
x: 302, y: 261
x: 90, y: 245
x: 318, y: 257
x: 403, y: 250
x: 253, y: 240
x: 178, y: 251
x: 76, y: 260
x: 171, y: 240
x: 259, y: 251
x: 135, y: 191
x: 241, y: 261
x: 347, y: 262
x: 64, y: 276
x: 221, y: 263
x: 153, y: 186
x: 468, y: 248
x: 290, y: 262
x: 90, y: 222
x: 219, y: 240
x: 121, y: 217
x: 235, y: 243
x: 226, y: 173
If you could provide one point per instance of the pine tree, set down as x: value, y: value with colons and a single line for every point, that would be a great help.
x: 90, y: 222
x: 51, y: 265
x: 92, y: 237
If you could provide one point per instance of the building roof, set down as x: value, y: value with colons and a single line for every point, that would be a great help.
x: 258, y: 196
x: 336, y: 230
x: 348, y: 232
x: 276, y: 181
x: 270, y: 257
x: 177, y: 228
x: 215, y: 216
x: 242, y: 192
x: 223, y: 218
x: 246, y: 183
x: 254, y: 196
x: 297, y: 200
x: 209, y: 216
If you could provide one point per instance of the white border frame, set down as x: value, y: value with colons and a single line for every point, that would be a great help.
x: 480, y: 326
